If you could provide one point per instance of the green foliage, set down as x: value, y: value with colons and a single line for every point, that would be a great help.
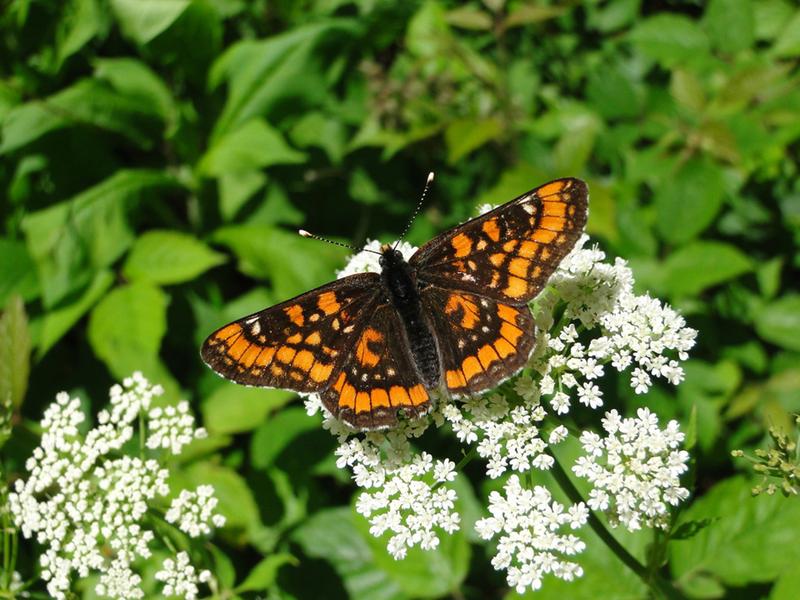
x: 156, y: 156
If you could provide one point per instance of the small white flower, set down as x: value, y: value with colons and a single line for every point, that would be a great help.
x: 180, y: 577
x: 444, y: 470
x: 172, y: 427
x: 194, y: 511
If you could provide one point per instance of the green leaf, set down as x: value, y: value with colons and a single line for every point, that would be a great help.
x: 144, y: 20
x: 769, y: 277
x: 732, y: 547
x: 700, y: 265
x: 669, y: 38
x: 779, y: 322
x: 575, y: 146
x: 264, y: 573
x: 286, y: 70
x: 465, y: 135
x: 17, y: 271
x: 788, y: 42
x: 294, y: 264
x: 253, y: 145
x: 272, y: 437
x: 771, y: 16
x: 87, y: 102
x: 614, y: 15
x: 55, y: 323
x: 687, y: 90
x: 166, y: 257
x: 134, y: 79
x: 613, y: 94
x: 525, y: 14
x: 235, y: 189
x: 235, y: 408
x: 468, y: 17
x: 687, y: 202
x: 331, y: 534
x: 224, y: 571
x: 126, y: 328
x: 82, y: 21
x: 72, y: 240
x: 730, y: 24
x: 786, y: 586
x: 316, y: 129
x: 15, y: 352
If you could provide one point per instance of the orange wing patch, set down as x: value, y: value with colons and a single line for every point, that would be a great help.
x: 367, y: 347
x: 463, y: 309
x: 462, y: 244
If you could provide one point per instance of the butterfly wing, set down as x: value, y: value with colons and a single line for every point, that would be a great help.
x: 298, y: 344
x: 476, y: 281
x: 377, y: 377
x: 509, y: 253
x: 481, y: 341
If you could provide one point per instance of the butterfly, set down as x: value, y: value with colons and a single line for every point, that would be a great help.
x: 454, y: 317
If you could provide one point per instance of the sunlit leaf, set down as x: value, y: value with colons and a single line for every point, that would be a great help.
x: 732, y: 546
x: 89, y: 102
x: 254, y: 145
x: 71, y: 240
x: 779, y: 322
x: 688, y: 201
x: 143, y: 20
x: 235, y: 408
x: 700, y: 265
x: 166, y: 257
x: 669, y: 38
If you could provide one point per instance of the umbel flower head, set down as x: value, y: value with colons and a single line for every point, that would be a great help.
x: 588, y: 320
x: 87, y: 502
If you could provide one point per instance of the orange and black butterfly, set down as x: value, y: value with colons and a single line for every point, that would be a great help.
x: 454, y: 317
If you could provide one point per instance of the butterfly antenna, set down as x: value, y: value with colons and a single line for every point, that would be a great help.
x: 419, y: 206
x: 307, y: 234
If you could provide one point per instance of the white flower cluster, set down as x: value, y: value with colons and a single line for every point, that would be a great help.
x: 172, y: 427
x: 194, y: 511
x: 85, y: 500
x: 405, y: 492
x: 180, y: 577
x: 635, y: 469
x: 532, y: 543
x: 587, y: 318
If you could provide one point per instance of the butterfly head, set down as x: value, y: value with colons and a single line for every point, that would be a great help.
x: 390, y: 257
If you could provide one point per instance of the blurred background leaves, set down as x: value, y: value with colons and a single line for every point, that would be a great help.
x: 156, y: 156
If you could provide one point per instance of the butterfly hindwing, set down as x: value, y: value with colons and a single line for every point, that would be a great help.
x: 510, y: 252
x: 482, y: 341
x: 377, y: 376
x: 298, y: 344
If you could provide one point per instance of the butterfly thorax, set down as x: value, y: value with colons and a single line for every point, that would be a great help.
x: 401, y: 285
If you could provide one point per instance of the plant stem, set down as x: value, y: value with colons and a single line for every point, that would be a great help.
x: 657, y: 584
x: 141, y: 433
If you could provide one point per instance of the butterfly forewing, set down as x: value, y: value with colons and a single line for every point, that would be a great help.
x: 377, y: 376
x: 298, y: 344
x: 510, y: 252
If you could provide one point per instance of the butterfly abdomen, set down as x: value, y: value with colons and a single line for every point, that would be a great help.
x: 400, y: 282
